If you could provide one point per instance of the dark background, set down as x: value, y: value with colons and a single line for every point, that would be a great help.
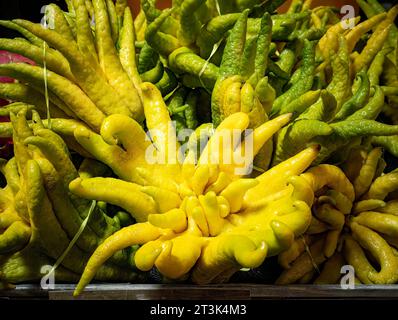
x: 25, y: 9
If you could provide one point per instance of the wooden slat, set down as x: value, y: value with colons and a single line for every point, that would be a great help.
x: 155, y: 292
x: 213, y: 292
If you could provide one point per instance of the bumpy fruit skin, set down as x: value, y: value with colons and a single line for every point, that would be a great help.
x: 89, y: 74
x: 355, y: 214
x: 241, y: 84
x: 215, y: 219
x: 39, y: 217
x: 15, y: 230
x: 8, y: 57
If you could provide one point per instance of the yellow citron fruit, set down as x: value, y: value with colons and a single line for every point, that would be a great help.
x: 214, y: 228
